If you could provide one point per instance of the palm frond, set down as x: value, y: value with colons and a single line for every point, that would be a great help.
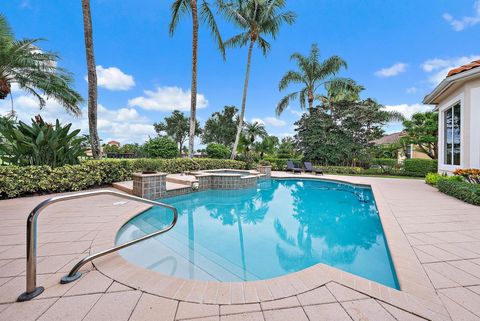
x: 239, y: 40
x: 208, y: 18
x: 285, y: 101
x: 290, y: 77
x: 263, y: 45
x: 178, y: 8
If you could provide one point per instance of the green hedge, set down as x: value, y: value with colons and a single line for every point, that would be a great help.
x: 464, y: 191
x: 23, y: 180
x: 341, y: 169
x: 280, y: 164
x: 420, y: 166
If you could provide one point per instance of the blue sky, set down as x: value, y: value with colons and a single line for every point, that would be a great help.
x: 398, y: 50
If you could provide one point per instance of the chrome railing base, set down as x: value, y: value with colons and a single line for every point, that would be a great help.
x: 67, y: 278
x: 26, y: 296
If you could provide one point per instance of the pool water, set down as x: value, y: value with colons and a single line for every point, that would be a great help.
x: 279, y: 227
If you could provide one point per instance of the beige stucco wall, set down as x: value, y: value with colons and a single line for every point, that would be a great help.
x: 469, y: 97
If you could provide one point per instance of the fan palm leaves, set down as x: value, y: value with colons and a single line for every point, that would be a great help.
x: 257, y: 19
x: 178, y: 9
x: 35, y: 71
x: 311, y: 75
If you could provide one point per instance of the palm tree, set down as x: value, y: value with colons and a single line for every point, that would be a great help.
x: 257, y: 19
x: 92, y: 80
x: 312, y: 73
x: 254, y: 130
x: 180, y: 7
x: 35, y: 71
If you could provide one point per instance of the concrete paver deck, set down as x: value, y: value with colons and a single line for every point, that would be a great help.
x: 434, y: 240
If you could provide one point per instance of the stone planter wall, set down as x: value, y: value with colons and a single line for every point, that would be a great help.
x: 267, y: 170
x: 150, y: 186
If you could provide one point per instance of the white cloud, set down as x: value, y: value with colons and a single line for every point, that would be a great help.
x: 439, y: 68
x: 298, y: 113
x: 113, y: 78
x: 272, y: 121
x: 167, y: 99
x: 465, y: 22
x: 411, y: 90
x: 408, y: 110
x: 125, y: 125
x: 391, y: 71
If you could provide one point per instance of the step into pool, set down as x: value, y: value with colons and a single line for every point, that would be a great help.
x: 278, y: 227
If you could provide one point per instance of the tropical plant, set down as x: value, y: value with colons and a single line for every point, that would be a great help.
x: 92, y: 80
x: 257, y: 19
x: 268, y: 145
x: 218, y: 151
x: 177, y: 127
x: 40, y: 144
x: 422, y: 131
x: 179, y: 8
x: 311, y: 75
x: 343, y: 135
x: 162, y: 147
x: 287, y: 148
x: 24, y: 63
x: 220, y: 128
x: 254, y: 130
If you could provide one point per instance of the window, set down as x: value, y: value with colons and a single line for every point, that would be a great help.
x: 408, y: 151
x: 451, y: 132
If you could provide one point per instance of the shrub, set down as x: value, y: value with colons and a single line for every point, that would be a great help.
x: 279, y: 164
x: 464, y: 191
x: 264, y: 163
x: 162, y: 147
x: 23, y: 180
x: 342, y: 169
x: 472, y: 175
x: 40, y: 143
x: 420, y: 166
x: 432, y: 178
x: 217, y: 151
x: 384, y: 163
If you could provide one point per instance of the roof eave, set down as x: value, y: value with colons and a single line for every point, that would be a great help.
x: 430, y: 99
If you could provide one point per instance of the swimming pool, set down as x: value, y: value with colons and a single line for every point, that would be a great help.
x: 278, y: 227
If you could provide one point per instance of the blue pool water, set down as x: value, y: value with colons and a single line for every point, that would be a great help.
x: 279, y: 227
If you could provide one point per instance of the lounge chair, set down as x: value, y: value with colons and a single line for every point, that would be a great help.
x: 310, y: 169
x: 291, y: 167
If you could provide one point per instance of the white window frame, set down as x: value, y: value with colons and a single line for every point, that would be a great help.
x: 441, y: 133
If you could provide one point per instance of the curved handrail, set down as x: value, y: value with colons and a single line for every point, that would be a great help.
x: 32, y: 289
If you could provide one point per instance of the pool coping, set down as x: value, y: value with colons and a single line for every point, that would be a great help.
x: 417, y: 294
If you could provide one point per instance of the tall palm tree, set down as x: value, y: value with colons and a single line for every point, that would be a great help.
x: 35, y: 71
x: 180, y: 7
x: 257, y: 19
x: 92, y: 80
x: 312, y: 74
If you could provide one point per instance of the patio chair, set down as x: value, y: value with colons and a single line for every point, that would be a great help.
x: 310, y: 169
x: 291, y: 167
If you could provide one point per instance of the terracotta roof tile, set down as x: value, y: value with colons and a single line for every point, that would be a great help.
x: 389, y: 139
x: 473, y: 64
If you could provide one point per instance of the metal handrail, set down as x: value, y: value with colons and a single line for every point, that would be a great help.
x: 32, y: 289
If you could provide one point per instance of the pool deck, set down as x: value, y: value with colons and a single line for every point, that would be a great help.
x: 434, y: 241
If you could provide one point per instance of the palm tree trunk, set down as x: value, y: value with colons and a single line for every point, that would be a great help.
x: 244, y: 100
x: 193, y: 98
x: 92, y: 80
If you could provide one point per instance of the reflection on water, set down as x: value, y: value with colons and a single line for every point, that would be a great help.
x: 279, y: 227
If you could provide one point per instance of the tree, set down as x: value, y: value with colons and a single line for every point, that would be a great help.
x: 177, y: 127
x: 268, y: 145
x: 311, y: 75
x: 344, y: 136
x: 179, y: 8
x: 287, y: 148
x: 218, y: 151
x: 162, y: 147
x: 257, y: 19
x: 422, y: 131
x: 24, y: 63
x: 220, y: 128
x: 92, y: 80
x: 254, y: 130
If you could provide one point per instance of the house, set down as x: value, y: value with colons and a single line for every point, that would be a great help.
x: 113, y: 143
x: 457, y: 100
x: 404, y: 152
